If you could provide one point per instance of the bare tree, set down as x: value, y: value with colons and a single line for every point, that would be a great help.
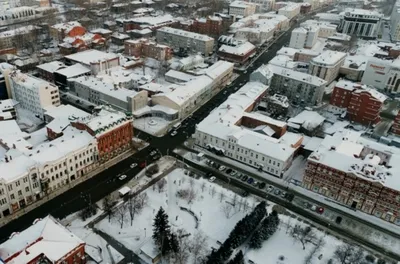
x: 161, y: 184
x: 303, y: 235
x: 142, y: 200
x: 344, y: 253
x: 245, y: 205
x: 108, y: 207
x: 191, y: 182
x: 121, y: 215
x: 191, y: 196
x: 320, y: 243
x: 213, y: 191
x: 227, y: 210
x: 203, y: 186
x: 198, y: 246
x: 132, y: 207
x: 234, y: 199
x: 183, y: 253
x: 221, y: 195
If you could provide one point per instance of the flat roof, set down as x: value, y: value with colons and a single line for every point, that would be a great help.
x: 239, y: 50
x: 299, y: 76
x: 73, y: 70
x: 329, y: 57
x: 90, y: 56
x: 51, y: 66
x: 184, y: 33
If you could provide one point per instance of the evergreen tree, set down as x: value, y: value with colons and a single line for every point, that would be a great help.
x: 238, y: 259
x: 174, y: 243
x: 161, y: 231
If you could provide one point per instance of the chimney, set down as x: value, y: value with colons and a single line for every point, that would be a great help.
x: 6, y: 159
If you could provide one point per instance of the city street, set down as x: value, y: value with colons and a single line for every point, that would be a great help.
x: 107, y: 181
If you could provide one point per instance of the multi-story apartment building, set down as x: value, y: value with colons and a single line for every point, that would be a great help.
x: 327, y: 65
x: 301, y: 88
x: 363, y: 104
x: 19, y: 37
x: 146, y: 48
x: 326, y: 29
x: 35, y: 171
x: 36, y: 244
x: 360, y: 22
x: 304, y: 37
x: 241, y: 8
x: 238, y: 54
x: 290, y: 10
x: 265, y: 5
x: 211, y: 26
x: 383, y: 74
x: 112, y: 130
x: 188, y: 41
x: 265, y: 145
x: 95, y: 60
x: 395, y: 22
x: 396, y: 124
x: 356, y: 172
x: 33, y: 94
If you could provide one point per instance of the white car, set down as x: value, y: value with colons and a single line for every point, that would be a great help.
x: 212, y: 179
x: 174, y: 133
x: 122, y: 177
x: 133, y: 165
x: 222, y: 168
x: 270, y: 188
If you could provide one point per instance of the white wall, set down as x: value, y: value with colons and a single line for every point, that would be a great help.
x: 298, y: 39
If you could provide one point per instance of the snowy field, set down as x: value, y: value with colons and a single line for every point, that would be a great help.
x: 213, y: 205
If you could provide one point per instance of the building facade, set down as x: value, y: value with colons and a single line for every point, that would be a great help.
x: 396, y: 125
x: 327, y: 65
x: 239, y: 54
x: 112, y: 129
x: 188, y: 41
x: 146, y: 48
x: 290, y: 10
x: 241, y: 8
x: 33, y: 94
x: 383, y: 74
x: 357, y: 173
x: 265, y: 5
x: 360, y: 22
x: 211, y: 26
x: 395, y: 22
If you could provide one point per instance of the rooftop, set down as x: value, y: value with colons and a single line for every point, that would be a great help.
x: 67, y: 27
x: 73, y: 70
x: 299, y: 76
x: 184, y: 33
x: 51, y: 66
x: 91, y: 56
x: 360, y: 12
x: 180, y: 75
x: 240, y: 4
x: 46, y: 236
x: 360, y: 88
x: 68, y: 112
x: 7, y: 104
x: 307, y: 119
x: 152, y: 21
x: 329, y: 57
x: 240, y: 50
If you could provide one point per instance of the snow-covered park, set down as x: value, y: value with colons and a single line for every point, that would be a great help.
x: 206, y: 212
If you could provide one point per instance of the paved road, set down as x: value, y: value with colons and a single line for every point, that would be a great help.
x: 107, y: 182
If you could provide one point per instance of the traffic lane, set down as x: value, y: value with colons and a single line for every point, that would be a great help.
x: 298, y: 210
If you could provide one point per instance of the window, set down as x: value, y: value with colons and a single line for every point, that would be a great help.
x: 17, y: 183
x: 12, y: 196
x: 25, y: 179
x: 19, y: 192
x: 26, y: 189
x: 10, y: 187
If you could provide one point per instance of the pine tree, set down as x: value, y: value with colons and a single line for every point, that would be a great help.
x: 161, y: 230
x: 238, y: 259
x: 173, y: 243
x: 256, y: 240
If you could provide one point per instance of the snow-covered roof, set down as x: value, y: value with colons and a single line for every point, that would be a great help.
x: 240, y: 50
x: 150, y: 249
x: 118, y: 35
x: 184, y: 33
x: 67, y: 27
x: 360, y: 88
x: 179, y: 75
x: 141, y: 31
x: 328, y: 17
x: 290, y: 6
x: 287, y: 51
x: 152, y: 21
x: 18, y: 31
x: 240, y: 4
x: 51, y: 66
x: 6, y: 105
x: 265, y: 119
x: 101, y: 31
x: 361, y: 12
x: 68, y: 112
x: 299, y: 76
x: 73, y: 70
x: 46, y: 236
x: 307, y: 119
x: 29, y: 82
x: 283, y: 61
x: 91, y: 56
x: 329, y: 57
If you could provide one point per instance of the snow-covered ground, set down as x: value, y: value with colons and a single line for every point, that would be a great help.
x: 215, y: 222
x: 26, y: 120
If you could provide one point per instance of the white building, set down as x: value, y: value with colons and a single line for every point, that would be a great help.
x: 232, y: 130
x: 290, y: 10
x: 265, y: 5
x: 189, y: 41
x: 190, y: 95
x: 241, y: 8
x: 360, y: 22
x: 95, y: 60
x: 383, y: 74
x: 328, y: 17
x: 34, y: 171
x: 395, y: 22
x: 304, y: 37
x: 33, y: 94
x: 327, y: 65
x: 256, y: 35
x: 188, y: 63
x: 326, y: 29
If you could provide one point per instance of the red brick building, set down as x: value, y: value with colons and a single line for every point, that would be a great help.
x: 37, y: 244
x: 305, y: 8
x: 396, y: 124
x: 211, y: 26
x: 146, y: 48
x: 357, y: 175
x: 363, y: 104
x: 113, y: 131
x: 239, y: 54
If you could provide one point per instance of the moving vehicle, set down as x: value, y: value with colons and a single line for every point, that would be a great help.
x: 174, y: 133
x: 133, y: 165
x: 212, y: 179
x: 122, y: 177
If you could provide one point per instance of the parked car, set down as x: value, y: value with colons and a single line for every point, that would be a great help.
x: 283, y: 194
x: 122, y: 177
x: 262, y: 185
x: 255, y: 183
x: 320, y: 210
x: 245, y: 194
x: 156, y: 157
x: 152, y: 153
x: 174, y: 133
x: 233, y: 173
x: 133, y: 165
x: 313, y: 207
x: 270, y: 188
x: 244, y: 178
x: 277, y: 192
x: 212, y: 179
x: 222, y: 168
x: 250, y: 180
x: 228, y: 171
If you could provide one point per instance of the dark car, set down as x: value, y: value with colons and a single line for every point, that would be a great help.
x: 245, y: 194
x: 250, y: 181
x: 244, y: 178
x: 262, y: 185
x: 228, y: 171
